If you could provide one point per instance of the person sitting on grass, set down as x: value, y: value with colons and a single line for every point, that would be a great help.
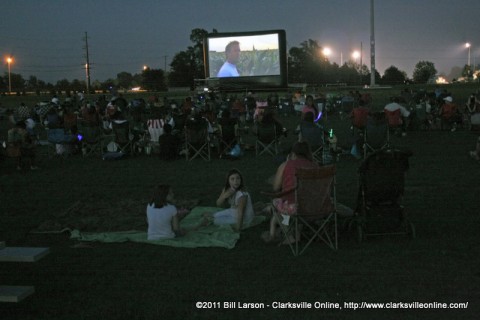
x: 162, y: 216
x: 240, y: 212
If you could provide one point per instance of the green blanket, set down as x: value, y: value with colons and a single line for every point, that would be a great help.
x: 209, y: 236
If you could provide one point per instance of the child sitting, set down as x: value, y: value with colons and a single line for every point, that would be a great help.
x: 162, y: 218
x: 241, y: 211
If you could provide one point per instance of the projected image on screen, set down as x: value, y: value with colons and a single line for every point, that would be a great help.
x: 244, y: 56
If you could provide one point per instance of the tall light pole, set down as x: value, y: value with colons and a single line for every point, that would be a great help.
x: 372, y: 43
x: 9, y: 62
x: 468, y: 45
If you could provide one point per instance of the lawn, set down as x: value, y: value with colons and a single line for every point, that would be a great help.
x: 142, y: 281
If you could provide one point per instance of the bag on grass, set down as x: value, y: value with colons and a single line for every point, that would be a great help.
x: 236, y: 151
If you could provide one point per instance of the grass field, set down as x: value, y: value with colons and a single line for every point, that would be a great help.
x: 141, y: 281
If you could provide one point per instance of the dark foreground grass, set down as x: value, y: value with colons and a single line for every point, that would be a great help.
x: 140, y: 281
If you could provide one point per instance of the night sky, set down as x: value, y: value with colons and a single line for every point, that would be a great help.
x: 46, y: 37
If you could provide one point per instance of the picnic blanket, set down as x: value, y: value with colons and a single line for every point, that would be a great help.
x: 209, y: 236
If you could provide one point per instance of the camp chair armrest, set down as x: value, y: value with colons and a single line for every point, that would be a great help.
x: 277, y: 194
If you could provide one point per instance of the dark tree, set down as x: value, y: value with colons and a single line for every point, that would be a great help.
x: 124, y: 80
x: 154, y: 80
x: 186, y: 66
x: 424, y: 70
x: 393, y: 76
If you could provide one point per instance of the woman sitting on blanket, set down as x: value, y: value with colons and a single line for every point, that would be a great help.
x: 241, y: 212
x: 162, y: 216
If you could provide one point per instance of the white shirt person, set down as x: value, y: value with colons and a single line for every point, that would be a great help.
x: 229, y: 68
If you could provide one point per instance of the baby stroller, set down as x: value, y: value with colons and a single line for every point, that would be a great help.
x: 381, y: 186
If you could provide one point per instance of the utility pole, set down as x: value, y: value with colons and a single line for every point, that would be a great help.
x: 361, y: 64
x: 87, y: 65
x: 361, y: 54
x: 372, y: 44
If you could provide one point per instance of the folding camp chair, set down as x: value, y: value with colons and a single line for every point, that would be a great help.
x: 381, y: 187
x: 70, y: 122
x: 347, y: 105
x: 122, y: 138
x: 375, y: 136
x: 179, y: 120
x: 266, y: 140
x: 12, y: 150
x: 315, y: 199
x: 474, y: 122
x: 286, y: 107
x: 60, y: 143
x: 395, y: 122
x: 359, y: 118
x: 91, y: 139
x: 314, y: 136
x: 155, y: 130
x: 138, y: 130
x: 227, y: 135
x: 197, y: 141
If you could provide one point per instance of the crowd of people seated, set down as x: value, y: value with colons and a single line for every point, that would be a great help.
x: 226, y: 117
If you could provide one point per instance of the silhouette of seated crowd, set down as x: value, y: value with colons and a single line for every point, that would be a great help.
x: 165, y: 128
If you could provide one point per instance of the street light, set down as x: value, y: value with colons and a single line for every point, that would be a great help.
x: 9, y: 62
x: 327, y: 51
x: 468, y: 45
x: 356, y: 55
